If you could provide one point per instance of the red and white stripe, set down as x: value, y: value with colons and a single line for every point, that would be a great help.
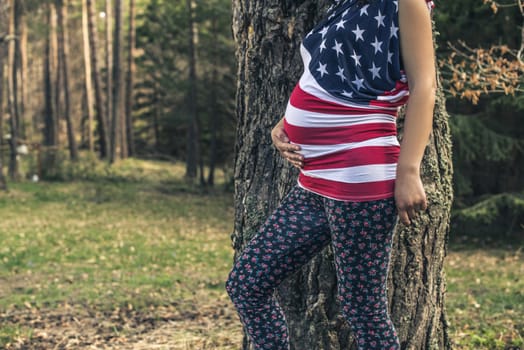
x: 350, y: 151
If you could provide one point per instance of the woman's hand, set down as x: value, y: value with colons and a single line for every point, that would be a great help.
x: 409, y: 195
x: 286, y: 149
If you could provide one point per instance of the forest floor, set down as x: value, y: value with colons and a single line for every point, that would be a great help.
x: 137, y: 259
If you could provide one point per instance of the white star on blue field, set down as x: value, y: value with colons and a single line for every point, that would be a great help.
x: 354, y: 52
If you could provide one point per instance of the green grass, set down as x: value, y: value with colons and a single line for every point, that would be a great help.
x: 146, y: 242
x: 138, y: 245
x: 485, y: 298
x: 97, y: 236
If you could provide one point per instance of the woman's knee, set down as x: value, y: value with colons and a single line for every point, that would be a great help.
x: 363, y: 309
x: 233, y: 285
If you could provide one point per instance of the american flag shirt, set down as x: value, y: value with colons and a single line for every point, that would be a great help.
x: 342, y: 113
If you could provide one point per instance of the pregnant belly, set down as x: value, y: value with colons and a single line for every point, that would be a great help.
x: 350, y: 151
x: 344, y: 140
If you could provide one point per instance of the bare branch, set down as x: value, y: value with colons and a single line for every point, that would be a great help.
x: 472, y: 72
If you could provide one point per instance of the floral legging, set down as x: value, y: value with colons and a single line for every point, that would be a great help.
x: 303, y: 224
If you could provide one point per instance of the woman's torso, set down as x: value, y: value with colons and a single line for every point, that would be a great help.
x: 343, y: 110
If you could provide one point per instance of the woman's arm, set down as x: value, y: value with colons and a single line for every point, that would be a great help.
x: 416, y: 45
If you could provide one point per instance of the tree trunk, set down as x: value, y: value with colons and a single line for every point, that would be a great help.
x: 50, y: 133
x: 129, y: 80
x: 122, y: 88
x: 268, y: 36
x: 4, y: 30
x: 156, y: 113
x: 13, y: 92
x: 124, y: 152
x: 24, y: 125
x: 109, y: 72
x: 192, y: 134
x: 63, y: 51
x: 3, y: 181
x: 213, y: 107
x: 88, y: 77
x: 102, y: 126
x: 116, y: 124
x: 57, y: 69
x: 50, y: 136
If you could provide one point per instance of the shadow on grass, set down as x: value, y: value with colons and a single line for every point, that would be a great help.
x: 471, y: 241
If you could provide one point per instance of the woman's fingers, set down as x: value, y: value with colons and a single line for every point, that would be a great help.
x: 403, y: 216
x: 408, y: 212
x: 294, y: 158
x: 292, y: 155
x: 412, y: 213
x: 287, y: 149
x: 289, y: 152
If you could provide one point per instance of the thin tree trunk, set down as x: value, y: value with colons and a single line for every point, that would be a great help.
x: 88, y: 77
x: 269, y: 67
x: 192, y: 134
x: 4, y: 31
x: 109, y: 72
x: 102, y: 124
x: 116, y: 124
x: 57, y: 69
x: 156, y: 113
x: 213, y: 107
x: 21, y: 50
x: 122, y: 101
x: 129, y: 80
x: 13, y: 93
x: 63, y: 49
x: 124, y: 151
x: 50, y: 133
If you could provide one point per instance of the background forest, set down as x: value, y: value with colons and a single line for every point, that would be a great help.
x: 161, y: 84
x: 141, y: 93
x: 116, y: 79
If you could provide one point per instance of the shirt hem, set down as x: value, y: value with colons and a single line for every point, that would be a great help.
x: 369, y: 198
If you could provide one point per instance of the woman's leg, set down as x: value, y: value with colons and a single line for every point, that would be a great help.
x: 361, y: 237
x: 290, y: 237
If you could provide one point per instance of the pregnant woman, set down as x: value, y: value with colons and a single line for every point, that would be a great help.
x: 361, y: 63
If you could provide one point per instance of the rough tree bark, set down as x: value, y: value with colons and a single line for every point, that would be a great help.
x: 268, y: 36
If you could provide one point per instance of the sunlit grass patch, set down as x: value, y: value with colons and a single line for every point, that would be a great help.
x: 485, y: 298
x: 104, y: 243
x: 134, y: 239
